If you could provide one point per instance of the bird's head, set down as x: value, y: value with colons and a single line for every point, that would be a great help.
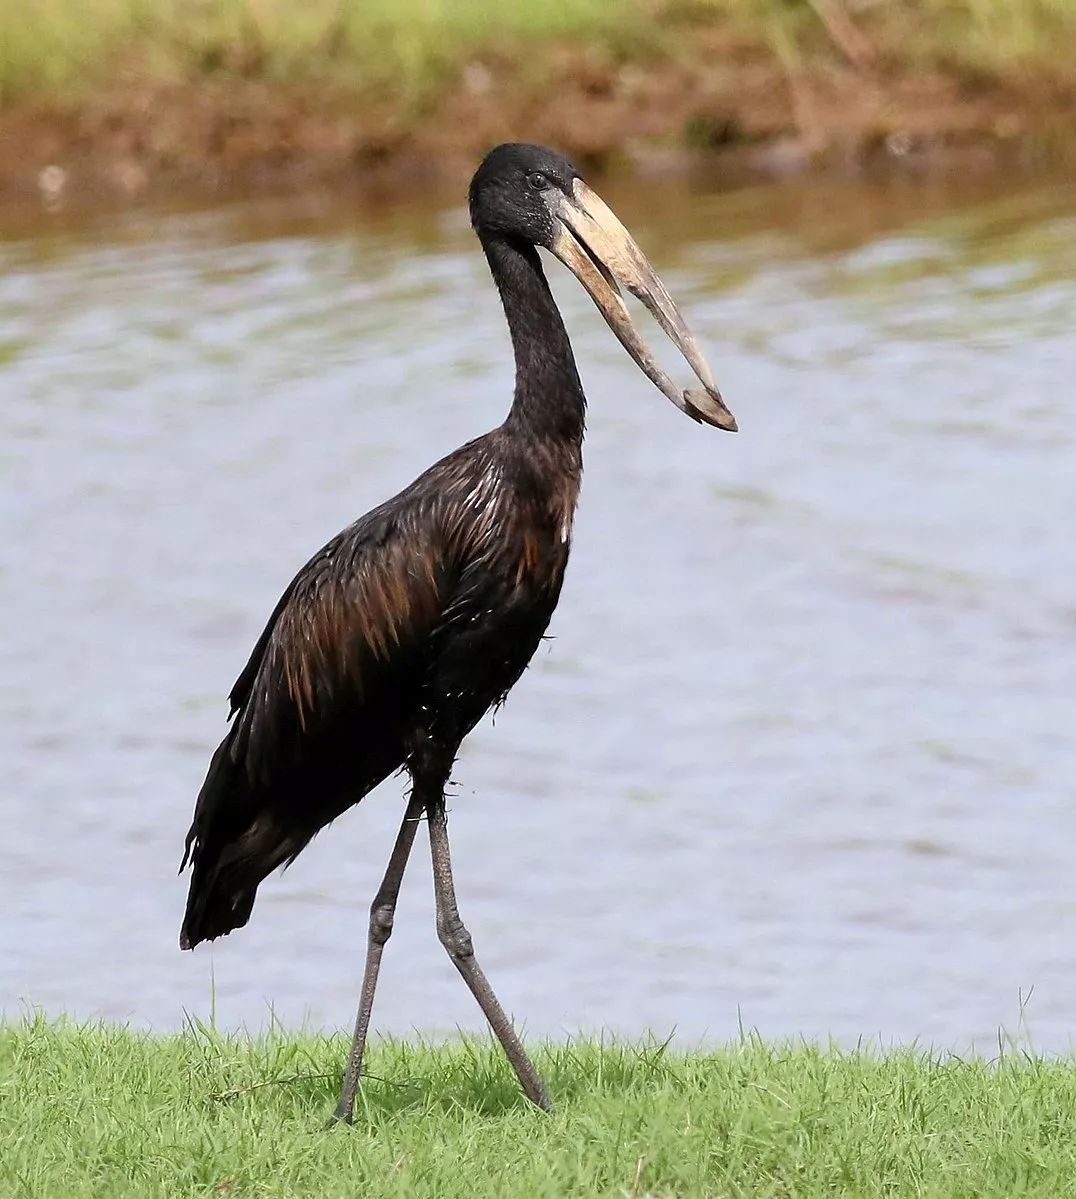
x: 533, y: 194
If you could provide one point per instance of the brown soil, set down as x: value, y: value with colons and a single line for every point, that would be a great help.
x: 714, y: 98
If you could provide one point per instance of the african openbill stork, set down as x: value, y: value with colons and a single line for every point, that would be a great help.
x: 397, y: 637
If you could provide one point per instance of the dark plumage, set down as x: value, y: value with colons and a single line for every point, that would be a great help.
x: 386, y: 649
x: 395, y: 639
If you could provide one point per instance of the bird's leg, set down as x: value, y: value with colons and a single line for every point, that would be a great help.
x: 457, y: 940
x: 381, y: 914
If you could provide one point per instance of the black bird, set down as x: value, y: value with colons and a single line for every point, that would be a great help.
x: 395, y: 639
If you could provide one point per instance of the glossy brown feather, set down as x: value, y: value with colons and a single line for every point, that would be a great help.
x: 393, y: 640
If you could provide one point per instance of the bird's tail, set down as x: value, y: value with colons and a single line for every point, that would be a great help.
x: 233, y: 843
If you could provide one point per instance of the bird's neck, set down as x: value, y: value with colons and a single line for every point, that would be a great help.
x: 549, y: 401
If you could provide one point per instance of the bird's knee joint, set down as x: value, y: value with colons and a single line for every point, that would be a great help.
x: 455, y: 938
x: 381, y: 916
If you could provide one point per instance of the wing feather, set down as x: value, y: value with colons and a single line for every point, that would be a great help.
x: 355, y: 623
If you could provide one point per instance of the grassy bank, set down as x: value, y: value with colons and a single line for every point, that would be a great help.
x: 413, y: 44
x: 126, y: 94
x: 101, y: 1111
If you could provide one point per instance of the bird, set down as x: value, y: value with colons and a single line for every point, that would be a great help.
x: 405, y: 629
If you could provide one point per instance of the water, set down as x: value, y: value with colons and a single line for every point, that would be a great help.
x: 800, y: 755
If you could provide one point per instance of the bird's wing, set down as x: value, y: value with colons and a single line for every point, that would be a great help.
x: 354, y: 620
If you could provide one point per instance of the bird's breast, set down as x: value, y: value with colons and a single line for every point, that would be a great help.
x: 542, y: 537
x: 516, y: 518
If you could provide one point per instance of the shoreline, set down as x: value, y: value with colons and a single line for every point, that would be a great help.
x: 707, y: 100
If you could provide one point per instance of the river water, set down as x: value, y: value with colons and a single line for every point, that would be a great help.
x: 800, y: 753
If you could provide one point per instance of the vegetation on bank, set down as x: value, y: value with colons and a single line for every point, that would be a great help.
x: 411, y: 45
x: 128, y: 95
x: 98, y: 1110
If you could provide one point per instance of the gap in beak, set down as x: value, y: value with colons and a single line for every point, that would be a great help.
x: 602, y: 269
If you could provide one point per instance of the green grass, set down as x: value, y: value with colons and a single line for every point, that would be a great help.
x: 101, y: 1111
x: 400, y: 44
x: 972, y: 34
x: 408, y: 45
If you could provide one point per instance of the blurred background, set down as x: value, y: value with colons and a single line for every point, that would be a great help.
x: 799, y: 755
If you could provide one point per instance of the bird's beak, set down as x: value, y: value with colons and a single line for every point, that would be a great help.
x: 601, y: 253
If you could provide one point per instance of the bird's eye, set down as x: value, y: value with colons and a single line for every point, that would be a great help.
x: 538, y: 181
